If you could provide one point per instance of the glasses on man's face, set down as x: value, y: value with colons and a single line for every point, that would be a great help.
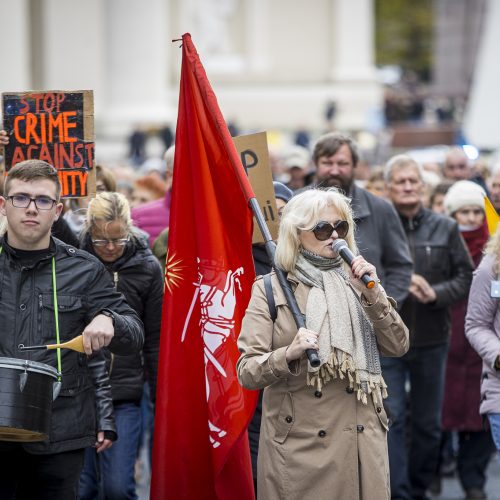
x: 324, y: 230
x: 119, y: 242
x: 23, y: 201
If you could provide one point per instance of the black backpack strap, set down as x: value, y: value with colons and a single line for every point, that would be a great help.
x: 268, y: 287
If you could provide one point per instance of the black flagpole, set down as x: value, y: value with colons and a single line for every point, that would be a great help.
x: 312, y: 354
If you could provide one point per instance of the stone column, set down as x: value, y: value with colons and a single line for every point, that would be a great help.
x: 15, y: 73
x: 138, y: 61
x: 353, y: 40
x: 69, y: 49
x: 353, y: 74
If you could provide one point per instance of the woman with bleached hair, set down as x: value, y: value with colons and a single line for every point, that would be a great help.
x: 324, y: 429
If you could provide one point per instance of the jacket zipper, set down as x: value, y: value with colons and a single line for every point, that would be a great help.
x: 115, y: 281
x: 40, y: 312
x: 411, y: 243
x: 428, y: 255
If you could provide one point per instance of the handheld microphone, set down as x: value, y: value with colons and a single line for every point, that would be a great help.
x: 340, y: 246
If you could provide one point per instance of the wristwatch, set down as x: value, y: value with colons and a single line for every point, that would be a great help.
x: 109, y: 314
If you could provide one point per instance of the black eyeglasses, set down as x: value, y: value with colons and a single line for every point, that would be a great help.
x: 324, y: 230
x: 119, y: 242
x: 23, y: 201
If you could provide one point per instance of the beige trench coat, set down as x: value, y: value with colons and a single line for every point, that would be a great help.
x: 314, y: 445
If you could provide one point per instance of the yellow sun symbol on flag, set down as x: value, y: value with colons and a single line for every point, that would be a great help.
x: 173, y: 269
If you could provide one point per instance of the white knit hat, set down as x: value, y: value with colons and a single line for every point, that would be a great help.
x: 461, y: 194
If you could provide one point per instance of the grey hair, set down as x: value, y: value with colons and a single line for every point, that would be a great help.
x: 401, y: 161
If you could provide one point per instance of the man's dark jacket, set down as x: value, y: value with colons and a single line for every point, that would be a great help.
x: 441, y: 257
x: 138, y: 275
x: 382, y: 242
x: 27, y: 317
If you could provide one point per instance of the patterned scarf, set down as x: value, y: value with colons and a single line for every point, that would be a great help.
x: 347, y: 342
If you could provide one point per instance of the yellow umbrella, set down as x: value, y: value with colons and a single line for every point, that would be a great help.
x: 492, y: 217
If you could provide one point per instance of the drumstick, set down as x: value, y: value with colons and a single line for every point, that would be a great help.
x: 75, y: 344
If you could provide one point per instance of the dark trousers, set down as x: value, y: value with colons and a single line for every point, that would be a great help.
x: 112, y: 471
x: 25, y: 476
x: 474, y: 453
x: 413, y: 455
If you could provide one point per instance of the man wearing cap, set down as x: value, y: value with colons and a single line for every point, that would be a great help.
x: 442, y: 276
x: 297, y: 161
x: 379, y: 234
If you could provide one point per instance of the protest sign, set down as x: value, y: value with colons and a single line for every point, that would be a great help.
x: 255, y: 158
x: 56, y: 127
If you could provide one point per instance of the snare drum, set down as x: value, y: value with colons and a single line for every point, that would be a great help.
x: 26, y: 394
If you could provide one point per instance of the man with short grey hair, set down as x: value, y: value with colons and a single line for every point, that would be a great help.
x: 442, y: 276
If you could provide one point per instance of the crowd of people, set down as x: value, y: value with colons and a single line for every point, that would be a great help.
x: 408, y: 378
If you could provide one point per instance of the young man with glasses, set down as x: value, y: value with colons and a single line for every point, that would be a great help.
x: 51, y: 292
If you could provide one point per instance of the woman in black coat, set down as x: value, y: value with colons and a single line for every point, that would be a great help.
x: 110, y: 236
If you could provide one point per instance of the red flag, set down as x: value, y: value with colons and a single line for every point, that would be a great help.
x: 201, y: 448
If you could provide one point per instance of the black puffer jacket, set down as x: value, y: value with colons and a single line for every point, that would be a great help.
x: 441, y: 257
x: 27, y: 317
x: 138, y: 275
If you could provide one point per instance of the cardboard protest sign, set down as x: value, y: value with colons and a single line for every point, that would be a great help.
x: 255, y: 158
x: 57, y: 127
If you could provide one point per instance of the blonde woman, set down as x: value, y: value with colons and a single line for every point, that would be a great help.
x: 109, y: 235
x: 482, y: 328
x: 324, y: 430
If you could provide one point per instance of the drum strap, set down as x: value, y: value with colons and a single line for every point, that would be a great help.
x: 56, y: 316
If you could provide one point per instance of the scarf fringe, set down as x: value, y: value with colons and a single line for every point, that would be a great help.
x: 370, y: 385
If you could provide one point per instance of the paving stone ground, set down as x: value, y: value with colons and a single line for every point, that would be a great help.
x: 451, y: 489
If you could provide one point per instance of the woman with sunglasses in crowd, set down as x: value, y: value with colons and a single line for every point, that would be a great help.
x: 324, y: 429
x: 109, y: 235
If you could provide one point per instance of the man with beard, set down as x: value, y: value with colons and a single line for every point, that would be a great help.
x: 379, y: 233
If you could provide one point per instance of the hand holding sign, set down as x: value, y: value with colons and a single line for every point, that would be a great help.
x: 4, y: 138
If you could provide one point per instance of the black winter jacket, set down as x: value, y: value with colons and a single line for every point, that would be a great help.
x: 138, y: 275
x: 441, y: 257
x: 27, y: 317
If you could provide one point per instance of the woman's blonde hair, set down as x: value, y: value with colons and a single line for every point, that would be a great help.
x: 108, y: 207
x: 302, y: 213
x: 493, y: 248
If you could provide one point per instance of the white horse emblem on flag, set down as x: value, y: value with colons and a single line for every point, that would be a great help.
x: 217, y: 312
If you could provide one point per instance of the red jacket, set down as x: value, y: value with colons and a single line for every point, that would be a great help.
x: 464, y: 366
x: 153, y: 217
